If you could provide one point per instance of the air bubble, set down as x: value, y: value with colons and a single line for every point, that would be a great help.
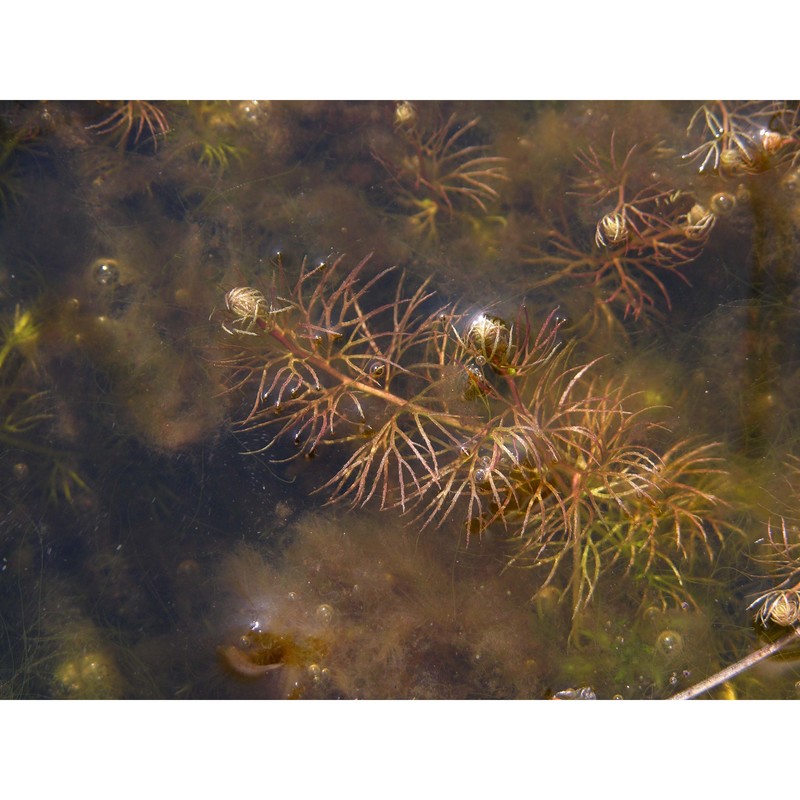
x: 105, y: 272
x: 669, y: 644
x: 723, y: 203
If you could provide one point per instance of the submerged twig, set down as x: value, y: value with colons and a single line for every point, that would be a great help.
x: 739, y: 667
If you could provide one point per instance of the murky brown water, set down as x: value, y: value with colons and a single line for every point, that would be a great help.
x: 553, y: 451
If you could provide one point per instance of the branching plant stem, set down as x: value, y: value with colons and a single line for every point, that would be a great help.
x: 461, y: 413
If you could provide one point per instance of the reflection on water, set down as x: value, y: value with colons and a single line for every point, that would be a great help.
x: 553, y: 452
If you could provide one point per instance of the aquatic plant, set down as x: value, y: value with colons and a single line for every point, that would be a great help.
x: 452, y: 413
x: 25, y: 409
x: 779, y: 558
x: 639, y: 515
x: 743, y: 665
x: 646, y: 231
x: 130, y: 120
x: 448, y: 416
x: 22, y: 333
x: 213, y: 134
x: 16, y: 141
x: 651, y: 222
x: 53, y: 648
x: 776, y: 558
x: 777, y: 610
x: 743, y: 137
x: 218, y: 156
x: 20, y: 406
x: 435, y: 171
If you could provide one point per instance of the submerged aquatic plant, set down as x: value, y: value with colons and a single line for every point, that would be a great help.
x: 17, y: 141
x: 22, y: 333
x: 743, y: 137
x: 780, y: 560
x: 651, y: 220
x: 477, y: 420
x: 130, y: 120
x: 453, y: 413
x: 212, y: 134
x: 24, y: 412
x: 438, y: 172
x: 647, y: 231
x: 778, y: 608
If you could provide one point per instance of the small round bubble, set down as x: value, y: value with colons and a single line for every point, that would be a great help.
x: 324, y: 613
x: 669, y: 644
x: 482, y: 475
x: 105, y: 272
x: 723, y: 203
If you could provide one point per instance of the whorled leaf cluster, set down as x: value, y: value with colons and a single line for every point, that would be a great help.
x: 777, y: 558
x: 780, y: 559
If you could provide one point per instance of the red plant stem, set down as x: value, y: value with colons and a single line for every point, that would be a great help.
x: 323, y: 365
x: 512, y: 387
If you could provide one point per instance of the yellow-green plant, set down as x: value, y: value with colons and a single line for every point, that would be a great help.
x: 23, y: 410
x: 214, y: 135
x: 22, y: 332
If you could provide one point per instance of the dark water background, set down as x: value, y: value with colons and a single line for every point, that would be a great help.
x: 143, y: 555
